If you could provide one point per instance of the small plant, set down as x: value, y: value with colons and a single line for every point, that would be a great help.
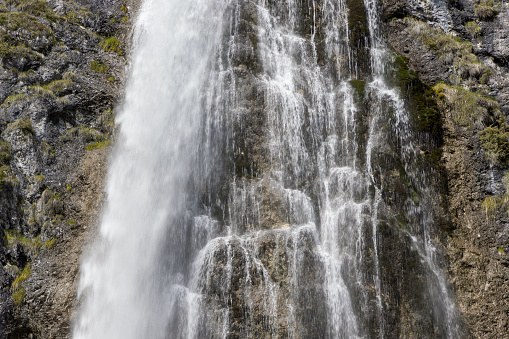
x: 125, y: 19
x: 98, y: 145
x: 485, y: 9
x: 495, y: 141
x: 39, y: 178
x: 112, y: 45
x: 49, y: 244
x: 490, y: 205
x: 24, y: 125
x: 31, y: 246
x: 473, y: 29
x: 13, y: 98
x: 59, y: 87
x: 43, y: 91
x: 5, y: 152
x: 98, y: 67
x: 69, y: 76
x: 17, y: 288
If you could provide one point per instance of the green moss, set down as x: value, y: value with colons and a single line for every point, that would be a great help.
x: 111, y: 79
x: 495, y: 141
x: 17, y: 288
x: 98, y: 67
x: 112, y: 45
x: 466, y: 108
x: 7, y: 177
x: 47, y: 150
x: 421, y: 101
x: 98, y: 145
x: 359, y: 86
x: 125, y: 19
x: 124, y: 9
x: 30, y: 245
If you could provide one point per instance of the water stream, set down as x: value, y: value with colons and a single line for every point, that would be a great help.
x: 246, y: 195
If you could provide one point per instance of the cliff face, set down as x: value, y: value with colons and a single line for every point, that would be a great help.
x: 461, y: 49
x: 61, y: 75
x: 61, y: 68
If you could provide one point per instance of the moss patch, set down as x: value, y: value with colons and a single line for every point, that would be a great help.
x: 17, y: 288
x: 451, y: 50
x: 98, y: 145
x: 30, y: 246
x: 466, y: 108
x: 98, y: 67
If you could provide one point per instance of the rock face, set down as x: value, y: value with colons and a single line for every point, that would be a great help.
x: 61, y: 75
x: 465, y: 59
x: 62, y: 69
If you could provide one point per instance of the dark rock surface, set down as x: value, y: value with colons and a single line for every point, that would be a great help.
x: 61, y: 73
x: 466, y: 62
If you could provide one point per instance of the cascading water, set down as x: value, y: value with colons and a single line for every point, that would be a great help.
x: 247, y: 190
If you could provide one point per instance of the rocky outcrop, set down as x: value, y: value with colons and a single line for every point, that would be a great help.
x: 62, y: 69
x: 61, y: 74
x: 460, y: 48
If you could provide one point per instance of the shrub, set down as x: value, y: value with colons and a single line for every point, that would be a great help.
x: 495, y: 142
x: 98, y: 67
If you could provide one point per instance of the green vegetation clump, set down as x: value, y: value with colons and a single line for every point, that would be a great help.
x: 473, y: 29
x: 43, y: 91
x: 69, y: 76
x: 5, y: 152
x: 84, y: 133
x: 30, y: 246
x: 98, y: 67
x: 490, y: 205
x: 7, y: 177
x: 98, y: 145
x: 466, y: 108
x: 451, y: 50
x: 59, y: 87
x: 17, y: 288
x: 485, y: 9
x: 50, y: 243
x: 421, y: 101
x: 495, y: 141
x: 112, y: 45
x: 24, y: 125
x: 359, y: 86
x: 13, y: 99
x: 17, y: 31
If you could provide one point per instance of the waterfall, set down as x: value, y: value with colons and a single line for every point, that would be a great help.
x: 247, y: 194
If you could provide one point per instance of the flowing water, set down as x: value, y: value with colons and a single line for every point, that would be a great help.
x: 247, y: 194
